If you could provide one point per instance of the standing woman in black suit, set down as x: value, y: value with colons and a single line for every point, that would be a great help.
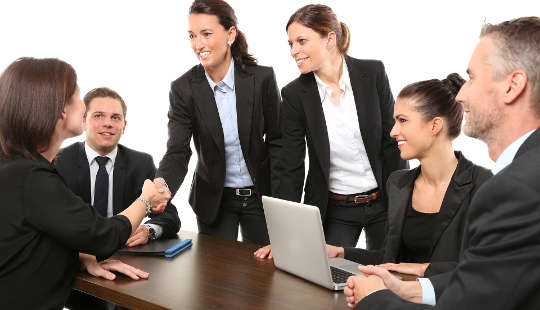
x: 230, y: 105
x: 342, y: 107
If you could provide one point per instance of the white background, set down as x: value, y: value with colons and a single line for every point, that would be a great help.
x: 139, y: 47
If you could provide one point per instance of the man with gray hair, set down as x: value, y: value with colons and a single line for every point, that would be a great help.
x: 499, y: 266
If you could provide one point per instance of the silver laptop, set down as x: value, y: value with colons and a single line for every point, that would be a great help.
x: 298, y: 244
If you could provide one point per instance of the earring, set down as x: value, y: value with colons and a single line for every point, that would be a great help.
x: 230, y: 43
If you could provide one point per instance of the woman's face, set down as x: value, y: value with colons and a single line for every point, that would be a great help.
x: 74, y: 115
x: 209, y: 40
x: 412, y: 132
x: 308, y: 48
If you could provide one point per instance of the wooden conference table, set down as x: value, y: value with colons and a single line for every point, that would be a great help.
x: 214, y: 274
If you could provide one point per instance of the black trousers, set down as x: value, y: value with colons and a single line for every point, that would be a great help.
x: 345, y: 220
x: 246, y: 212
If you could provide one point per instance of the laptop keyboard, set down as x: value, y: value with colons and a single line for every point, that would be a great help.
x: 339, y: 275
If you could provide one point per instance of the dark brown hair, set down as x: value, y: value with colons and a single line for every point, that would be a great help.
x: 517, y: 46
x: 33, y: 94
x: 103, y: 92
x: 225, y: 14
x: 321, y: 19
x: 437, y: 98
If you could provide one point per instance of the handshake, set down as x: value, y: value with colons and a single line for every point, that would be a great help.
x: 157, y: 193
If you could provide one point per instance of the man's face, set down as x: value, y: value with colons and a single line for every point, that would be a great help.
x: 481, y: 94
x: 104, y: 124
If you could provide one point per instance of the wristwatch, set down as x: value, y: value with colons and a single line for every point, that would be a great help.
x: 151, y: 232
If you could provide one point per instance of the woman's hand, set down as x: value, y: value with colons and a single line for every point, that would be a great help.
x: 264, y: 252
x: 417, y: 269
x: 335, y: 251
x: 103, y: 269
x: 157, y: 194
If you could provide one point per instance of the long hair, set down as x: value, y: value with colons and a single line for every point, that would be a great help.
x: 225, y: 14
x: 321, y: 19
x: 33, y: 94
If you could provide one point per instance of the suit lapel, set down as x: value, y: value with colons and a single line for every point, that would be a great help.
x: 206, y: 104
x: 399, y: 193
x: 316, y: 123
x: 244, y: 88
x: 364, y: 109
x: 456, y: 194
x: 119, y: 173
x: 83, y: 174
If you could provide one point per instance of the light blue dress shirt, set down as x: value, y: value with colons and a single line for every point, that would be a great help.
x: 505, y: 159
x: 236, y: 171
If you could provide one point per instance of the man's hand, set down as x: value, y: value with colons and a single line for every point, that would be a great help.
x: 417, y: 269
x: 103, y: 269
x: 360, y: 286
x: 140, y: 236
x: 408, y: 290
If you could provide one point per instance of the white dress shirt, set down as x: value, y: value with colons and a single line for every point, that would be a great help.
x: 350, y: 170
x: 505, y: 159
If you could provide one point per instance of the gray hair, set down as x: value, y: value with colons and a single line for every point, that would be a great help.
x: 517, y: 46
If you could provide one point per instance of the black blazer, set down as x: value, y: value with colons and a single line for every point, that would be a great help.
x: 131, y: 168
x: 43, y: 226
x: 465, y: 181
x: 499, y: 266
x: 193, y: 112
x: 303, y: 121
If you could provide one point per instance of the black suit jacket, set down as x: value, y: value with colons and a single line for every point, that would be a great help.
x: 43, y: 227
x: 303, y: 121
x: 193, y: 112
x: 499, y: 266
x: 131, y: 168
x: 465, y: 181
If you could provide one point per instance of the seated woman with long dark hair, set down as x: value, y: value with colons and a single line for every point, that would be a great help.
x: 44, y: 225
x: 426, y: 205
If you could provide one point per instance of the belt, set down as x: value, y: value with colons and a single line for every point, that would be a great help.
x: 240, y: 192
x: 356, y: 198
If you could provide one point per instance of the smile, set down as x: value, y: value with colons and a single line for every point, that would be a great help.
x: 204, y: 55
x: 300, y: 61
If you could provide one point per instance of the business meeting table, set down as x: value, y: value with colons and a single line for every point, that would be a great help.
x: 214, y: 273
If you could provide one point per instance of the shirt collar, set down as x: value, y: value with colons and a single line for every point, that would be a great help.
x: 507, y: 156
x: 91, y: 154
x: 228, y: 80
x: 344, y: 82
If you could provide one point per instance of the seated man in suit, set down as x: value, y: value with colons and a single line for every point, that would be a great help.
x: 109, y: 175
x: 499, y: 261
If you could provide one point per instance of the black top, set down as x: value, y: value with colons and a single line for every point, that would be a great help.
x: 447, y: 234
x: 43, y: 226
x: 418, y: 231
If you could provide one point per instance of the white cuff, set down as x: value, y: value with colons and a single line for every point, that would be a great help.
x: 428, y: 292
x: 158, y: 229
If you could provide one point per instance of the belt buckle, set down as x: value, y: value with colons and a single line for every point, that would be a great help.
x: 243, y: 192
x: 358, y: 197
